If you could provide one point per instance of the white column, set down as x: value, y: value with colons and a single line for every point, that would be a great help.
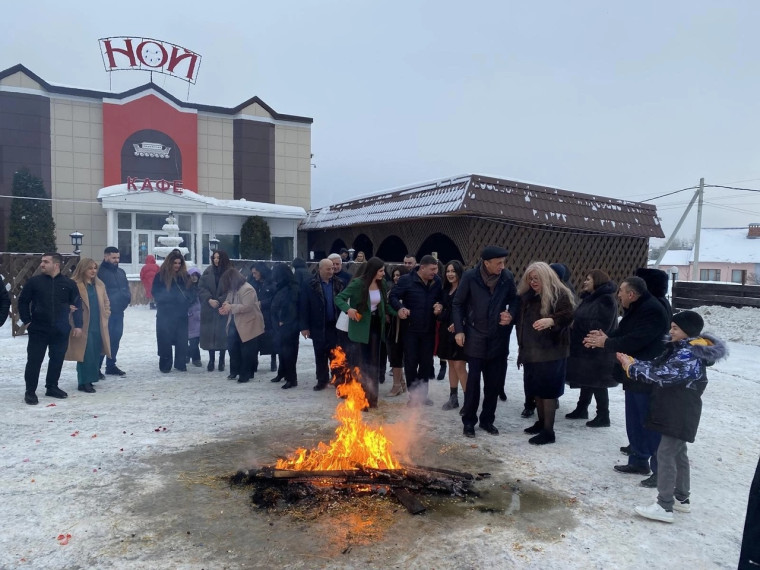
x: 111, y: 229
x: 198, y: 239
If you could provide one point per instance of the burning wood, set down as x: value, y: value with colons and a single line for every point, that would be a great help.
x: 275, y: 487
x: 358, y: 461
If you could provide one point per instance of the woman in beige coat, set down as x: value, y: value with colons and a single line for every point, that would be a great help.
x: 88, y: 343
x: 245, y: 323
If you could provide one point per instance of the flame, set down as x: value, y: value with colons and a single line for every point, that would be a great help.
x: 356, y: 444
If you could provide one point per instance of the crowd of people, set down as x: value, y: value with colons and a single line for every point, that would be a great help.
x: 402, y: 321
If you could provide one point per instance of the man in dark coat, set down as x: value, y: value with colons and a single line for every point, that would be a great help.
x: 119, y: 295
x: 44, y: 305
x: 318, y: 314
x: 641, y: 334
x: 5, y: 304
x: 750, y: 552
x: 417, y: 299
x: 484, y: 307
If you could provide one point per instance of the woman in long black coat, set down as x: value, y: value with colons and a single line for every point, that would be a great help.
x: 285, y: 324
x: 589, y: 369
x: 213, y: 325
x: 261, y: 281
x: 174, y: 294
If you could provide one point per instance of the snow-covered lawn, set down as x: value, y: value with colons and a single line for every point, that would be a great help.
x: 133, y: 474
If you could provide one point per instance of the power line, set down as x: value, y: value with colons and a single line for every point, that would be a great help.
x: 670, y: 193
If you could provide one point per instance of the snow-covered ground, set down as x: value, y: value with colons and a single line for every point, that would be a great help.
x: 134, y: 474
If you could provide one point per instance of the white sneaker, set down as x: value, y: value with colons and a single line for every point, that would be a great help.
x: 682, y: 506
x: 655, y: 512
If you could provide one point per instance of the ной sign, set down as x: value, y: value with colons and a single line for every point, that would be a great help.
x: 123, y: 53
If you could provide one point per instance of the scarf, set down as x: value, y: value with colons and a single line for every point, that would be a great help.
x: 488, y: 279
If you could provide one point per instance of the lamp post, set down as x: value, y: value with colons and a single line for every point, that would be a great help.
x: 351, y: 251
x: 76, y: 241
x: 213, y: 245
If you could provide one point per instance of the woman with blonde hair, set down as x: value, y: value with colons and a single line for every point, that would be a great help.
x: 87, y: 344
x: 543, y: 335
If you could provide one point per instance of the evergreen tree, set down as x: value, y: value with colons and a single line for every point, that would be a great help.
x: 31, y: 229
x: 255, y: 239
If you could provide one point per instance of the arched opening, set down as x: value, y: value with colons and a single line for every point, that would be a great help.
x: 151, y: 154
x: 363, y: 243
x: 442, y: 245
x: 337, y: 245
x: 392, y: 250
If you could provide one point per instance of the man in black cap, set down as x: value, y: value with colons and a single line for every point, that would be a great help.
x: 484, y: 307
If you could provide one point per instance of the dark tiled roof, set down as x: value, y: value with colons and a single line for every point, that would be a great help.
x: 503, y: 200
x: 74, y: 91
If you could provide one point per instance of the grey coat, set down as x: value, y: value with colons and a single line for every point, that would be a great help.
x: 213, y: 325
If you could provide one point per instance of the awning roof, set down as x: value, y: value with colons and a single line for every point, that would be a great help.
x: 502, y: 200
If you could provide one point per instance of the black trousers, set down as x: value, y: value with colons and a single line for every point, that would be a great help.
x: 115, y: 332
x: 193, y: 349
x: 750, y: 553
x: 288, y: 354
x: 171, y: 332
x: 602, y: 399
x: 242, y: 354
x: 322, y: 350
x: 493, y: 371
x: 55, y: 342
x: 418, y: 356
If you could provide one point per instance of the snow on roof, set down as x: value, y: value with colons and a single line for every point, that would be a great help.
x: 212, y: 205
x: 728, y: 245
x: 672, y: 257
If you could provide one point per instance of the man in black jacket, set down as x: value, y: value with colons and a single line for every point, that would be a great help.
x: 417, y: 299
x: 44, y: 305
x: 484, y: 307
x: 318, y: 314
x: 119, y: 295
x: 641, y: 334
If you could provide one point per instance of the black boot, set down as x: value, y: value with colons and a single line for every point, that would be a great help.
x: 220, y: 368
x: 453, y: 402
x: 442, y: 371
x: 601, y: 420
x: 578, y: 414
x: 273, y: 365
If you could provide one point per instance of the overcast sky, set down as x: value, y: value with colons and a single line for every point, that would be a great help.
x: 621, y: 99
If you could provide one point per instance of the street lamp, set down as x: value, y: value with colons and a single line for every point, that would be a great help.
x: 213, y: 243
x: 351, y: 251
x: 76, y: 241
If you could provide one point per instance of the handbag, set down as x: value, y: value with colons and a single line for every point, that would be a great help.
x: 342, y: 323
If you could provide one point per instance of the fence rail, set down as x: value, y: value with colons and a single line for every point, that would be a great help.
x: 687, y: 295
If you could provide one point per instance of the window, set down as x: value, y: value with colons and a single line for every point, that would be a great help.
x: 125, y: 246
x: 709, y: 274
x: 737, y: 275
x: 282, y: 249
x: 124, y: 221
x: 230, y: 245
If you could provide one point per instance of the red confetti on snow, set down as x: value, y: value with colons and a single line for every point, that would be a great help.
x: 36, y: 441
x: 94, y: 470
x: 63, y: 539
x: 25, y: 460
x: 94, y: 416
x: 76, y: 433
x: 50, y: 406
x: 122, y: 449
x: 94, y: 436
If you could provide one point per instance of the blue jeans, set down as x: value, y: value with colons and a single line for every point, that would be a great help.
x: 115, y: 332
x: 643, y: 442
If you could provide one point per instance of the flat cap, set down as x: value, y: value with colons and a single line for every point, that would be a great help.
x: 493, y: 251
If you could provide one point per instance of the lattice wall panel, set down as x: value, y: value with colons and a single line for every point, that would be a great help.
x: 619, y: 256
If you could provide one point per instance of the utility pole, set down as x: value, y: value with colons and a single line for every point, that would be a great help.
x: 695, y: 265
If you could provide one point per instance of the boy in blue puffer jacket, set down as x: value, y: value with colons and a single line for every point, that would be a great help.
x: 679, y: 376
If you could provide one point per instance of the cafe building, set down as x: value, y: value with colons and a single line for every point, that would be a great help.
x: 115, y: 165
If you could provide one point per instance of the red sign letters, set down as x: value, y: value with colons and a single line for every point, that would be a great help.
x: 135, y: 184
x: 126, y: 53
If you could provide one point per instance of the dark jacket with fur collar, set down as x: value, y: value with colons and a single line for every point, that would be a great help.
x: 679, y: 377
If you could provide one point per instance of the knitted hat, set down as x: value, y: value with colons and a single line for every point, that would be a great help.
x: 689, y: 322
x: 493, y: 251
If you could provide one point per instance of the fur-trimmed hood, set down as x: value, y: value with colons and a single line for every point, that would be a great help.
x: 706, y: 347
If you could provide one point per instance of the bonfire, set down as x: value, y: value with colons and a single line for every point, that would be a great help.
x: 356, y: 444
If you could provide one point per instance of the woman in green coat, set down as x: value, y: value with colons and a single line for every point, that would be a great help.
x: 365, y: 303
